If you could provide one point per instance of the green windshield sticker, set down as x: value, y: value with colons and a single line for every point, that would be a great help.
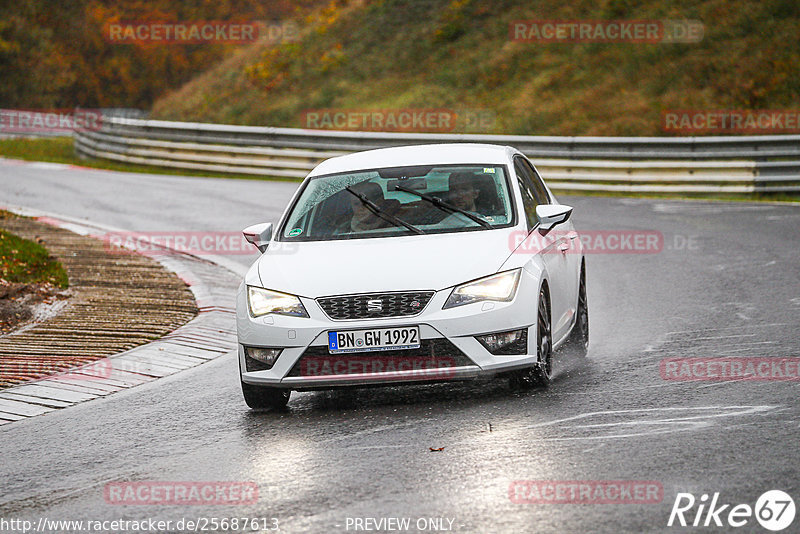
x: 296, y: 232
x: 488, y: 170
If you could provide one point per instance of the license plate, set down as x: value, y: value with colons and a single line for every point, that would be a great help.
x: 406, y: 337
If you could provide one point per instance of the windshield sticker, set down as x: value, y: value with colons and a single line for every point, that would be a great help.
x: 296, y: 232
x: 488, y: 170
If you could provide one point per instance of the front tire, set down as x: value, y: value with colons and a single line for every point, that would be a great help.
x: 542, y: 373
x: 263, y: 397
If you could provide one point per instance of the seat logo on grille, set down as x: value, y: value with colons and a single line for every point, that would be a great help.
x: 375, y: 305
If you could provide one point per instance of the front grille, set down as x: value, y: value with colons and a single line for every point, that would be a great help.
x: 433, y: 354
x: 375, y: 305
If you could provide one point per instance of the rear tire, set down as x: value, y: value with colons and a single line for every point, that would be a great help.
x: 264, y: 397
x: 579, y: 337
x: 542, y: 373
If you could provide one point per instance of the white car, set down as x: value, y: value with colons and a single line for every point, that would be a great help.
x: 407, y: 265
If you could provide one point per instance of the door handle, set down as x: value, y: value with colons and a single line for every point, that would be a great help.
x: 563, y: 247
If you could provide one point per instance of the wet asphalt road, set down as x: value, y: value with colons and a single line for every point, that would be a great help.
x: 727, y: 283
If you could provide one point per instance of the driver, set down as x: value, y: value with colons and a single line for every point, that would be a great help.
x: 363, y: 219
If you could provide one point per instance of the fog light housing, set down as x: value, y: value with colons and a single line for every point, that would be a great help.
x: 260, y: 358
x: 511, y: 342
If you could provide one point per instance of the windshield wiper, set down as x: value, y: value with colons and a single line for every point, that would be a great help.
x: 445, y: 206
x: 371, y: 206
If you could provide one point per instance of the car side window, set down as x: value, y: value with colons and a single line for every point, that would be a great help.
x: 538, y: 185
x: 527, y: 191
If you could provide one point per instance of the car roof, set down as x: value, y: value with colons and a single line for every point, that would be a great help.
x: 457, y: 153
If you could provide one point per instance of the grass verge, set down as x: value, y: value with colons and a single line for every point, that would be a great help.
x: 27, y: 262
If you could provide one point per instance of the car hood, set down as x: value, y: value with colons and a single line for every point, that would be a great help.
x: 419, y: 262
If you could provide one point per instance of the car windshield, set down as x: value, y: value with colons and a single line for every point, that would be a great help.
x: 401, y: 201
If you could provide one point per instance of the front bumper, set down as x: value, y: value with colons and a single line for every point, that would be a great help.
x: 448, y: 334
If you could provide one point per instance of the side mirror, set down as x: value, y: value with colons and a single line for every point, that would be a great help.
x: 551, y: 215
x: 259, y: 235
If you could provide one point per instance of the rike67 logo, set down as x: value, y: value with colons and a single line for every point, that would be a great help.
x: 774, y: 510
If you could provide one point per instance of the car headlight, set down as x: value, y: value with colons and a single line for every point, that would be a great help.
x: 499, y: 287
x: 263, y: 301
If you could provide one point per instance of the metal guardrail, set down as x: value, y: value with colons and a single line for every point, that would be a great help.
x: 741, y: 164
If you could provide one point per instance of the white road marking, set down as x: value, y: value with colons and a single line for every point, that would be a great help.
x: 743, y: 349
x: 721, y: 337
x: 728, y: 382
x: 49, y: 166
x: 649, y: 426
x: 718, y: 345
x: 710, y: 330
